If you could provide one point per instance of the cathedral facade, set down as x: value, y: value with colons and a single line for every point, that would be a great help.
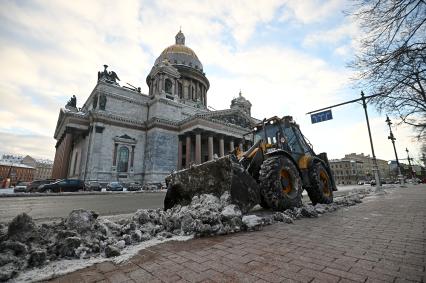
x: 120, y: 134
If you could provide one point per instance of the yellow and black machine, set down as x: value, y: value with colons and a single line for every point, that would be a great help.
x: 273, y: 172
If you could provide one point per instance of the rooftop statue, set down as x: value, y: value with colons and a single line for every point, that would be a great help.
x: 110, y: 77
x: 72, y: 102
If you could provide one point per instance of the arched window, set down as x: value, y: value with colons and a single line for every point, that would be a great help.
x: 123, y: 159
x: 168, y: 87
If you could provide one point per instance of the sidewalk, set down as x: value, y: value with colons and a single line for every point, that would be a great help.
x: 381, y: 240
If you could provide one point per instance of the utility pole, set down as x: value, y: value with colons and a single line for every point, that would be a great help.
x: 364, y: 105
x: 375, y: 167
x: 409, y: 163
x: 392, y: 138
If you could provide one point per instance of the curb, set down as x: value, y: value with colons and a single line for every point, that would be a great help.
x: 88, y: 193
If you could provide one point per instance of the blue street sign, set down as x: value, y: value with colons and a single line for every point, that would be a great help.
x: 321, y: 116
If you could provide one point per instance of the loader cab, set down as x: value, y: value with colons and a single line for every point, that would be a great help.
x: 282, y: 134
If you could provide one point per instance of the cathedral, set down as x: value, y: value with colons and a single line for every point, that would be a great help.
x: 121, y: 134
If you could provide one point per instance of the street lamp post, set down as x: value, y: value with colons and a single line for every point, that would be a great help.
x: 375, y: 167
x: 392, y: 138
x: 409, y: 163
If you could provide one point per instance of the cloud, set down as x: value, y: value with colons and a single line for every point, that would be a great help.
x: 310, y: 11
x: 51, y: 50
x: 37, y: 146
x: 347, y: 31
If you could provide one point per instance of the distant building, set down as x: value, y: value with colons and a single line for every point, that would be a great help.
x: 12, y: 158
x: 358, y: 167
x: 15, y: 172
x: 347, y: 172
x: 43, y: 167
x: 367, y: 161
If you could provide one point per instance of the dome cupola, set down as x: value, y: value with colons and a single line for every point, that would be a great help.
x: 241, y: 103
x: 178, y: 74
x: 180, y: 54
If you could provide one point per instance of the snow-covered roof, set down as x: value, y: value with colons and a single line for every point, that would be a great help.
x: 14, y: 164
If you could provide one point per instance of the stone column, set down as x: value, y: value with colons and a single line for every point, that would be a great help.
x: 221, y: 146
x: 162, y: 84
x: 66, y: 157
x: 198, y: 148
x: 184, y: 89
x: 210, y: 144
x: 132, y: 156
x: 179, y: 165
x: 231, y: 146
x: 114, y: 157
x: 188, y: 151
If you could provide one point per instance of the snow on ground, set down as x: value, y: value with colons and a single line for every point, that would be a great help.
x: 6, y: 191
x: 31, y: 252
x: 55, y: 269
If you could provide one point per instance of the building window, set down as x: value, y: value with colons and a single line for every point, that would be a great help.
x: 123, y: 159
x: 168, y: 87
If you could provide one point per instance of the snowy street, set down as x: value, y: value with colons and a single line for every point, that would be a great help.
x: 46, y: 208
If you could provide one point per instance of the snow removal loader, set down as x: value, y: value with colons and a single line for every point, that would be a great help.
x: 273, y: 172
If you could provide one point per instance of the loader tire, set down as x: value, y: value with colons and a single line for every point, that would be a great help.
x: 280, y: 183
x: 321, y: 190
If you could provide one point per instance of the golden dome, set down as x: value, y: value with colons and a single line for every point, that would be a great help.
x: 179, y: 54
x: 178, y: 48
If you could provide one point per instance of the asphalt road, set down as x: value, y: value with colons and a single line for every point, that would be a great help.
x: 48, y: 208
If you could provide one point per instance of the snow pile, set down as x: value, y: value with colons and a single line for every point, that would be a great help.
x: 25, y: 245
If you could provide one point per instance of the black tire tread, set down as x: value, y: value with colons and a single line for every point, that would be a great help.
x: 270, y: 185
x: 315, y: 193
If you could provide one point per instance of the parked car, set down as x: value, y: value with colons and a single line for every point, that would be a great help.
x: 361, y: 182
x: 114, y: 186
x: 33, y: 187
x: 153, y: 187
x: 21, y: 187
x: 65, y: 185
x: 134, y: 186
x: 93, y: 186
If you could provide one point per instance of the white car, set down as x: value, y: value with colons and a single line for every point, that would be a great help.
x: 21, y: 187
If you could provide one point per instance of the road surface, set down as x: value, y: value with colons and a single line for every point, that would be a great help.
x: 46, y: 208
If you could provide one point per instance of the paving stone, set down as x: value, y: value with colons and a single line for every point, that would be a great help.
x: 91, y: 276
x: 319, y: 276
x: 106, y: 266
x: 140, y: 275
x: 344, y: 274
x: 117, y: 276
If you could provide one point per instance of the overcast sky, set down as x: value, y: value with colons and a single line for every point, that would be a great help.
x: 287, y: 57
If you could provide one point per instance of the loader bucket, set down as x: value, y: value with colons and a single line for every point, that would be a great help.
x: 213, y: 177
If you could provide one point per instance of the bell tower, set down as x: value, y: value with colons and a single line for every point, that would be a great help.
x: 241, y: 103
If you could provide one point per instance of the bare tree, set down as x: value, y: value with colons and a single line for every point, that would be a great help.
x: 392, y: 57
